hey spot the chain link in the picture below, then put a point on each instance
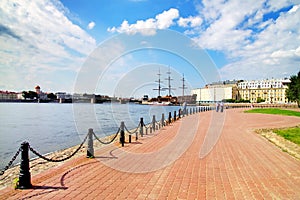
(157, 122)
(59, 160)
(10, 162)
(136, 130)
(109, 141)
(149, 125)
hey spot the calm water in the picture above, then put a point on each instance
(49, 127)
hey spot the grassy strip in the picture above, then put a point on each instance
(291, 134)
(274, 111)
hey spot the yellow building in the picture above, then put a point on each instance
(271, 91)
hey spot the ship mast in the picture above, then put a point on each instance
(159, 87)
(183, 86)
(169, 82)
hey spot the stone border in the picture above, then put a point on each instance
(284, 144)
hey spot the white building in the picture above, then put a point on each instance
(216, 92)
(63, 95)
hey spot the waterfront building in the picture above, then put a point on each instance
(268, 91)
(41, 95)
(255, 91)
(38, 89)
(217, 91)
(63, 95)
(8, 95)
(190, 99)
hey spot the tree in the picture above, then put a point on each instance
(52, 96)
(260, 100)
(293, 91)
(29, 95)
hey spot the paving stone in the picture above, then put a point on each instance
(231, 163)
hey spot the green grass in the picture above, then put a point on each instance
(291, 134)
(274, 111)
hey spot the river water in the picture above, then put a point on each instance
(50, 127)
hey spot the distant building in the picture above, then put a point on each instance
(37, 89)
(217, 91)
(269, 91)
(41, 95)
(190, 99)
(7, 95)
(63, 95)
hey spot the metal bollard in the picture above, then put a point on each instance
(122, 134)
(153, 122)
(179, 113)
(129, 140)
(170, 117)
(90, 148)
(141, 128)
(24, 176)
(174, 115)
(162, 119)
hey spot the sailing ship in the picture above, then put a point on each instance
(167, 100)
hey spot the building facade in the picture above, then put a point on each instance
(268, 91)
(8, 95)
(216, 92)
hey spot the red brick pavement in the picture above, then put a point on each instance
(178, 162)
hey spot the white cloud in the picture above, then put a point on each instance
(165, 19)
(162, 21)
(91, 25)
(190, 21)
(253, 36)
(256, 47)
(45, 42)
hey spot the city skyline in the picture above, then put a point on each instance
(47, 43)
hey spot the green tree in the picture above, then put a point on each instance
(29, 95)
(52, 96)
(293, 91)
(260, 100)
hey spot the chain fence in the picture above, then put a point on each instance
(10, 162)
(135, 131)
(99, 140)
(147, 127)
(58, 160)
(132, 132)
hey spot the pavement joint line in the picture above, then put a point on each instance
(240, 166)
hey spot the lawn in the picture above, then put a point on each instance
(291, 134)
(274, 111)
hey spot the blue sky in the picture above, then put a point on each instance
(48, 43)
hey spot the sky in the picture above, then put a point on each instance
(117, 47)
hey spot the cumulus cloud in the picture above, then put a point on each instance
(39, 40)
(161, 21)
(258, 37)
(190, 21)
(91, 25)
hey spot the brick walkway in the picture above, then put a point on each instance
(190, 159)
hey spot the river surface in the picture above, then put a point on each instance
(49, 127)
